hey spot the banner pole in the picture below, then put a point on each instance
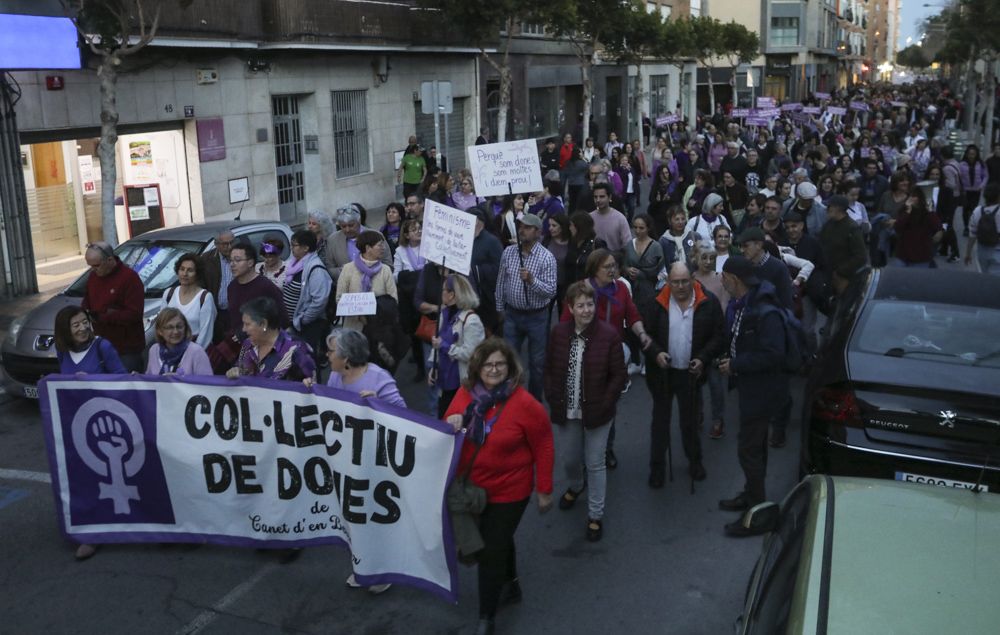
(517, 235)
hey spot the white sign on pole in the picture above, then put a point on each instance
(356, 304)
(432, 101)
(504, 168)
(448, 236)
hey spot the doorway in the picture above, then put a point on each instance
(288, 157)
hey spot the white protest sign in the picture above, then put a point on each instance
(836, 110)
(504, 168)
(356, 304)
(448, 235)
(253, 463)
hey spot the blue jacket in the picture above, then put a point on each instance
(758, 362)
(316, 287)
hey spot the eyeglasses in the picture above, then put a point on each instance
(494, 365)
(609, 267)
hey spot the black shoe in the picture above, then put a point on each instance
(511, 593)
(485, 626)
(697, 471)
(778, 438)
(736, 529)
(657, 478)
(610, 460)
(595, 529)
(568, 499)
(739, 503)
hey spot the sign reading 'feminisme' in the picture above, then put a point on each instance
(256, 463)
(505, 168)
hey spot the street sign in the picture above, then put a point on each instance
(441, 103)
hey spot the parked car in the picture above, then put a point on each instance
(906, 387)
(858, 555)
(28, 352)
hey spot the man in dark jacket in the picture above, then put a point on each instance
(687, 327)
(765, 266)
(218, 275)
(548, 159)
(484, 267)
(756, 366)
(843, 243)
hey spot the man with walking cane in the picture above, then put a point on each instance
(688, 330)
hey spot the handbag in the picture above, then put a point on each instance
(427, 329)
(466, 501)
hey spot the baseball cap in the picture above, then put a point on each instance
(531, 221)
(806, 190)
(742, 268)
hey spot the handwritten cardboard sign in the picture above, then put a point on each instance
(448, 236)
(356, 304)
(502, 168)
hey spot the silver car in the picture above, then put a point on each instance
(28, 351)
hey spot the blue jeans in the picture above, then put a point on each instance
(533, 325)
(989, 260)
(582, 452)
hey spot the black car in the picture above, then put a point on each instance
(907, 384)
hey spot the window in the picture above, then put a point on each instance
(658, 104)
(695, 8)
(544, 108)
(350, 132)
(784, 31)
(532, 28)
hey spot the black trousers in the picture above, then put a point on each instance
(752, 453)
(497, 560)
(666, 384)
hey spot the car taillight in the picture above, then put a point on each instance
(837, 405)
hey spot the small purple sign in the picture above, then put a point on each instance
(836, 110)
(211, 139)
(666, 120)
(768, 112)
(757, 120)
(825, 96)
(793, 106)
(740, 112)
(811, 110)
(765, 102)
(859, 105)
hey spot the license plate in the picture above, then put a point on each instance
(31, 392)
(934, 480)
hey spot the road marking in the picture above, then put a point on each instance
(25, 475)
(208, 616)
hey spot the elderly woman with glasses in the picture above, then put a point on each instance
(321, 225)
(174, 353)
(268, 351)
(367, 271)
(306, 289)
(350, 370)
(342, 247)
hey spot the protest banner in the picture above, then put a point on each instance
(765, 102)
(825, 96)
(505, 168)
(767, 112)
(859, 105)
(836, 110)
(811, 110)
(793, 106)
(356, 304)
(666, 120)
(740, 112)
(253, 463)
(757, 120)
(448, 236)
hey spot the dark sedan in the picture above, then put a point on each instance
(907, 386)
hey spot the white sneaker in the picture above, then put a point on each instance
(633, 369)
(352, 582)
(642, 371)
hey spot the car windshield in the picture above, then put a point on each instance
(153, 261)
(947, 333)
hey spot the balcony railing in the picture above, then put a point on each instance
(223, 19)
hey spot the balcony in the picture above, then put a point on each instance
(219, 19)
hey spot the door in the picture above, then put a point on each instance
(288, 157)
(613, 106)
(456, 133)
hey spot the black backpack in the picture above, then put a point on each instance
(986, 230)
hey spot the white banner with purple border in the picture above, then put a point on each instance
(253, 463)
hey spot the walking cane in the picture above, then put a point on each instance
(437, 332)
(695, 411)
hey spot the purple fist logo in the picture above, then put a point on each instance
(121, 449)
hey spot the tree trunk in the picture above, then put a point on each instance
(504, 104)
(711, 92)
(969, 101)
(990, 102)
(586, 62)
(641, 103)
(108, 75)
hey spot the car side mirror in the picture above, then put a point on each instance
(762, 517)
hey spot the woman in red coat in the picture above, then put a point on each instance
(515, 454)
(584, 377)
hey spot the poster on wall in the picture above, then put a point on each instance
(86, 162)
(139, 212)
(140, 156)
(211, 139)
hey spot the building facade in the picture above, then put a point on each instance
(801, 47)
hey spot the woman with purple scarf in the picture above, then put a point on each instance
(461, 332)
(366, 273)
(268, 351)
(174, 353)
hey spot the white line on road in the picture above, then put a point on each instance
(25, 475)
(209, 615)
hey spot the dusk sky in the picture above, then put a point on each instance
(912, 11)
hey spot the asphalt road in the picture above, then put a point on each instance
(664, 565)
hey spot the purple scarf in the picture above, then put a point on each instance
(607, 292)
(367, 273)
(474, 420)
(170, 358)
(295, 266)
(415, 258)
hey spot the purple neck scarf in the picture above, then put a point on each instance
(415, 258)
(607, 291)
(367, 273)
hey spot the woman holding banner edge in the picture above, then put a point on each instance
(508, 445)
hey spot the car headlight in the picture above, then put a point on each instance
(15, 329)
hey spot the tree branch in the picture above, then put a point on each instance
(145, 36)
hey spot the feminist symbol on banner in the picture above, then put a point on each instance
(118, 434)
